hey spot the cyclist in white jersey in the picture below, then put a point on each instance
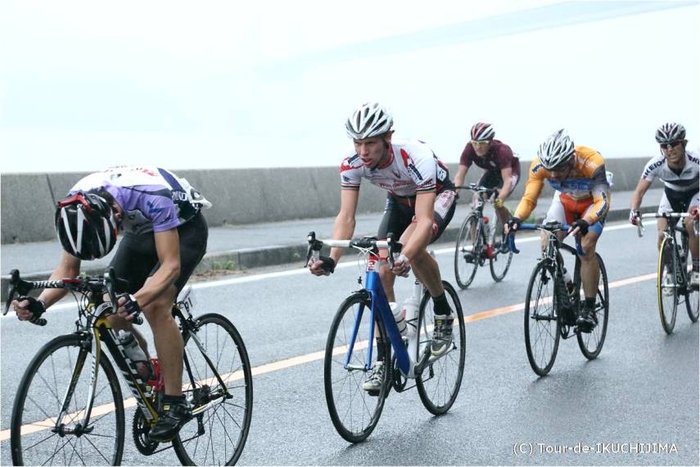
(420, 204)
(164, 238)
(678, 168)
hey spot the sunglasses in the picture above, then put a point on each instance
(480, 143)
(672, 144)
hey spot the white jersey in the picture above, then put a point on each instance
(412, 168)
(683, 182)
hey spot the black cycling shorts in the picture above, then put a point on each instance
(398, 215)
(136, 258)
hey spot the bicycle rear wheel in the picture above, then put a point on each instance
(62, 367)
(591, 343)
(222, 412)
(354, 411)
(439, 383)
(667, 285)
(542, 322)
(468, 251)
(499, 263)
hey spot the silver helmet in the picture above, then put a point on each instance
(369, 120)
(556, 150)
(482, 132)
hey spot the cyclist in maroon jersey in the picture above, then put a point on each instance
(501, 167)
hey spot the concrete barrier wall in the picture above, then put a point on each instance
(239, 196)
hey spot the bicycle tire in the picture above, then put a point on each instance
(692, 298)
(542, 315)
(499, 263)
(353, 411)
(438, 384)
(591, 343)
(34, 439)
(666, 292)
(464, 270)
(217, 434)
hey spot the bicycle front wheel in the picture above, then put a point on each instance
(499, 263)
(220, 390)
(542, 322)
(439, 383)
(354, 411)
(48, 416)
(591, 343)
(467, 251)
(692, 298)
(667, 285)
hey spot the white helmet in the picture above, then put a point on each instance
(369, 120)
(556, 150)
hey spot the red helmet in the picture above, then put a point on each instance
(86, 226)
(483, 132)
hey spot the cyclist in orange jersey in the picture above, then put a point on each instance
(581, 199)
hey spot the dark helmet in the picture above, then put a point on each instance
(670, 132)
(86, 226)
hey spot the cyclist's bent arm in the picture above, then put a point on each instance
(461, 175)
(527, 204)
(419, 240)
(68, 267)
(639, 193)
(506, 175)
(168, 250)
(344, 226)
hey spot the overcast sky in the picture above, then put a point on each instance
(184, 85)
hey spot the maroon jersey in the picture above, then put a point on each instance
(497, 158)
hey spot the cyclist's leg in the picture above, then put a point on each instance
(193, 237)
(692, 236)
(396, 218)
(555, 213)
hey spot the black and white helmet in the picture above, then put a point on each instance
(86, 226)
(556, 150)
(482, 132)
(369, 120)
(670, 132)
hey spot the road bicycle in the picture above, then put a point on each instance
(352, 351)
(552, 307)
(674, 269)
(69, 408)
(477, 242)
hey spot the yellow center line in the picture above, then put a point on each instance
(310, 357)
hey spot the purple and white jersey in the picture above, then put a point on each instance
(153, 199)
(683, 182)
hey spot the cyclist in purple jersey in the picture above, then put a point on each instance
(501, 167)
(164, 238)
(679, 169)
(420, 204)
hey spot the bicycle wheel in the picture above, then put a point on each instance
(467, 251)
(62, 367)
(354, 411)
(591, 343)
(499, 263)
(666, 285)
(692, 298)
(438, 385)
(542, 323)
(218, 431)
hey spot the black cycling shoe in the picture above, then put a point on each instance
(586, 321)
(170, 420)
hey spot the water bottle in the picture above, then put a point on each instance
(569, 282)
(410, 314)
(135, 353)
(399, 318)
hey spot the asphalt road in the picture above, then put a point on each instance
(637, 404)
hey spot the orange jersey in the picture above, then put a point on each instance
(586, 184)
